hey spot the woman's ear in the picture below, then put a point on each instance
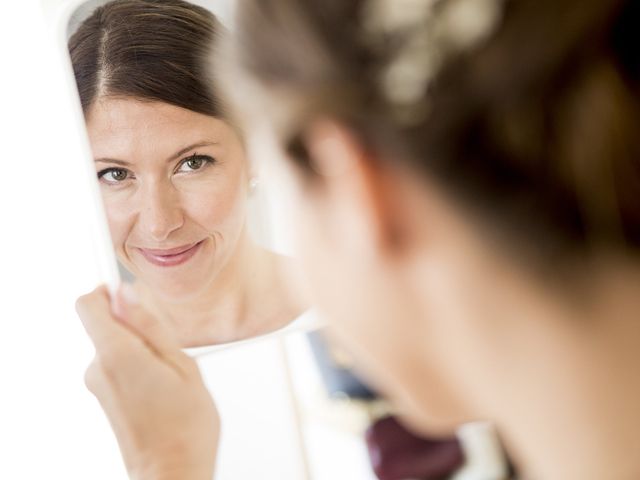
(353, 187)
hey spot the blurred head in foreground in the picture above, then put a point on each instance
(466, 175)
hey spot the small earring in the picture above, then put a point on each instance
(253, 184)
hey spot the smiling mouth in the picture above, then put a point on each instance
(170, 257)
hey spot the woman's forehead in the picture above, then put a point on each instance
(127, 127)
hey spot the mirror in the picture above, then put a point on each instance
(190, 218)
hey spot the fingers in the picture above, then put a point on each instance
(98, 383)
(148, 388)
(137, 333)
(106, 334)
(92, 378)
(156, 334)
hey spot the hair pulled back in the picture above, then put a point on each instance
(156, 50)
(533, 129)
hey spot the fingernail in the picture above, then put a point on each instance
(129, 294)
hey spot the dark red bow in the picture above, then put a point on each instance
(397, 454)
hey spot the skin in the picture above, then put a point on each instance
(183, 444)
(451, 329)
(172, 177)
(446, 345)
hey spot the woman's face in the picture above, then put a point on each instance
(174, 184)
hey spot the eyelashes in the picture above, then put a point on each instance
(115, 176)
(194, 163)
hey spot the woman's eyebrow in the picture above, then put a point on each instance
(190, 147)
(172, 157)
(112, 160)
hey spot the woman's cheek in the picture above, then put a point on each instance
(120, 218)
(215, 204)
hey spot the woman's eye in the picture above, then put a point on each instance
(113, 175)
(195, 162)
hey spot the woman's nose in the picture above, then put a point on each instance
(160, 212)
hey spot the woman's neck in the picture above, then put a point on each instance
(249, 297)
(557, 372)
(583, 428)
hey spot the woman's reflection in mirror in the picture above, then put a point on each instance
(173, 172)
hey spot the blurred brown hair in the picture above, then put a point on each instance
(533, 130)
(155, 50)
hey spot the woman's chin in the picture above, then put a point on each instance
(431, 417)
(432, 425)
(173, 290)
(175, 284)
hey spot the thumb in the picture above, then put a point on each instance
(153, 332)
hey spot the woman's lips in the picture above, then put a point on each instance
(172, 256)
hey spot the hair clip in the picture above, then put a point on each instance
(431, 31)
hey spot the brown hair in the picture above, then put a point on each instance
(155, 50)
(534, 129)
